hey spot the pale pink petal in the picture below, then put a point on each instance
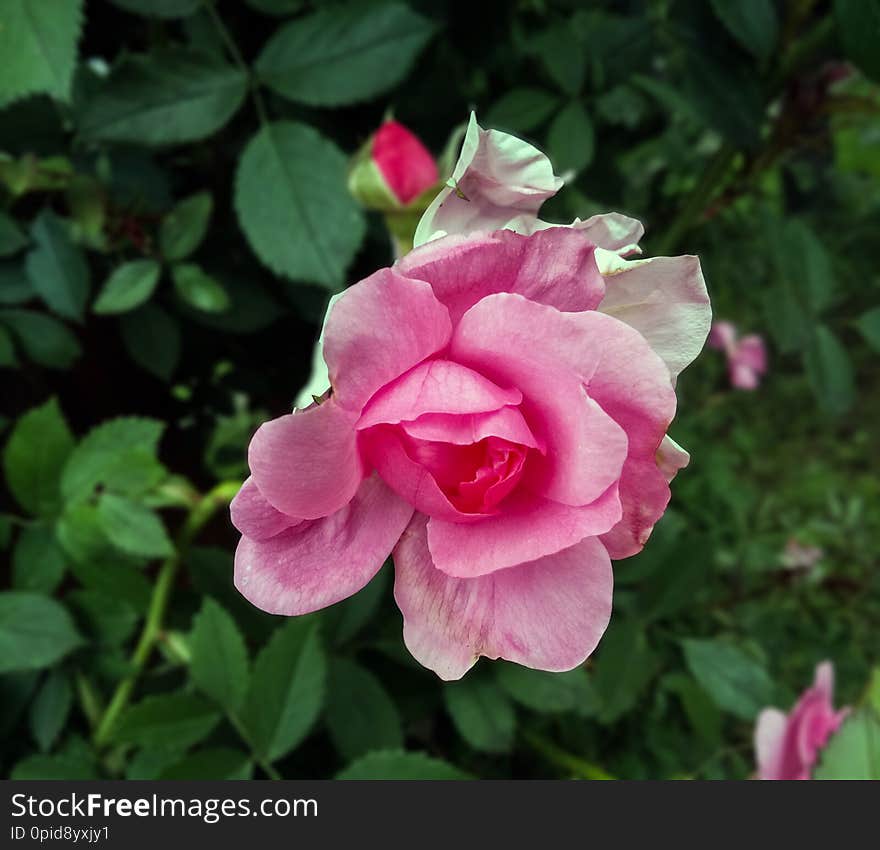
(741, 376)
(254, 517)
(750, 351)
(555, 266)
(671, 457)
(527, 528)
(548, 614)
(497, 179)
(770, 731)
(823, 680)
(318, 563)
(379, 329)
(384, 448)
(722, 335)
(612, 231)
(437, 386)
(306, 464)
(664, 298)
(506, 423)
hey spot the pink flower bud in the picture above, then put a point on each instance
(404, 162)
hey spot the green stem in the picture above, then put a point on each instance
(264, 765)
(198, 516)
(238, 59)
(571, 764)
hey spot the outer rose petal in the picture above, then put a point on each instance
(671, 457)
(254, 517)
(437, 386)
(664, 298)
(527, 528)
(306, 464)
(380, 328)
(318, 563)
(498, 178)
(548, 614)
(555, 266)
(609, 231)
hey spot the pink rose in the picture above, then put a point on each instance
(788, 745)
(498, 419)
(746, 357)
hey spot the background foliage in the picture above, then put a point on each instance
(174, 217)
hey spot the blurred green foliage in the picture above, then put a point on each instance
(173, 218)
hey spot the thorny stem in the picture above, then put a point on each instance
(198, 516)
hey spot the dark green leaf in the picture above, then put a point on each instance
(482, 713)
(858, 24)
(276, 7)
(564, 57)
(360, 715)
(57, 268)
(197, 289)
(44, 339)
(400, 765)
(219, 665)
(75, 761)
(129, 286)
(287, 689)
(15, 287)
(183, 229)
(624, 668)
(547, 692)
(342, 621)
(830, 371)
(170, 721)
(50, 709)
(290, 182)
(38, 561)
(35, 631)
(734, 680)
(343, 54)
(38, 46)
(752, 23)
(570, 139)
(869, 324)
(35, 456)
(522, 110)
(132, 527)
(219, 763)
(167, 97)
(152, 339)
(12, 239)
(159, 8)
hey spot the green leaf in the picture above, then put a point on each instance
(217, 763)
(169, 721)
(360, 715)
(129, 286)
(219, 665)
(38, 46)
(287, 689)
(38, 562)
(343, 54)
(342, 621)
(35, 631)
(197, 289)
(734, 680)
(830, 371)
(624, 668)
(869, 325)
(701, 711)
(15, 288)
(675, 585)
(802, 259)
(167, 97)
(34, 457)
(7, 349)
(75, 761)
(550, 693)
(400, 765)
(132, 527)
(522, 110)
(570, 139)
(289, 187)
(482, 713)
(12, 239)
(151, 763)
(276, 7)
(50, 709)
(564, 57)
(119, 455)
(109, 618)
(159, 8)
(858, 25)
(152, 339)
(44, 339)
(182, 230)
(853, 752)
(57, 268)
(752, 23)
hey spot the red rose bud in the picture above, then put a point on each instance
(392, 170)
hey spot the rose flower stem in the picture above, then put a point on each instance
(198, 517)
(572, 764)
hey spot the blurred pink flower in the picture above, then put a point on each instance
(799, 556)
(746, 357)
(498, 419)
(787, 746)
